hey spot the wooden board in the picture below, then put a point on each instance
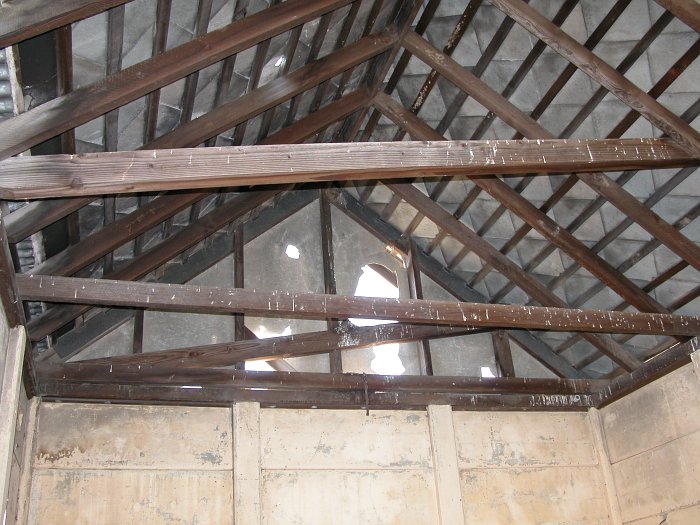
(208, 299)
(44, 176)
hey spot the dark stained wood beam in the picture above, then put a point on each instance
(230, 212)
(36, 215)
(666, 362)
(163, 374)
(603, 73)
(111, 392)
(453, 284)
(344, 337)
(322, 118)
(687, 11)
(99, 325)
(20, 20)
(515, 202)
(328, 262)
(116, 233)
(137, 171)
(160, 40)
(415, 287)
(81, 105)
(528, 283)
(524, 124)
(206, 299)
(275, 92)
(504, 357)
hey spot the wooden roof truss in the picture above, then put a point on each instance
(222, 147)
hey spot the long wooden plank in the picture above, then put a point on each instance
(688, 11)
(116, 233)
(174, 375)
(275, 92)
(599, 182)
(601, 72)
(352, 399)
(24, 19)
(37, 215)
(80, 106)
(205, 299)
(137, 171)
(148, 261)
(343, 338)
(532, 215)
(100, 324)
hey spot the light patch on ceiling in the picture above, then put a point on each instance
(280, 61)
(386, 360)
(292, 251)
(373, 284)
(486, 372)
(263, 333)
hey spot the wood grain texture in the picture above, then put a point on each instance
(136, 171)
(688, 11)
(344, 337)
(603, 73)
(307, 381)
(22, 19)
(207, 299)
(77, 107)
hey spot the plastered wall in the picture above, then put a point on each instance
(109, 464)
(653, 441)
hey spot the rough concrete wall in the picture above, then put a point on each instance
(653, 441)
(529, 468)
(108, 464)
(121, 464)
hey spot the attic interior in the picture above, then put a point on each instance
(381, 205)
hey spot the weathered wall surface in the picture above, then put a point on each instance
(101, 464)
(653, 441)
(520, 468)
(15, 420)
(108, 464)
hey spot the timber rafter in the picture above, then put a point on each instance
(262, 91)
